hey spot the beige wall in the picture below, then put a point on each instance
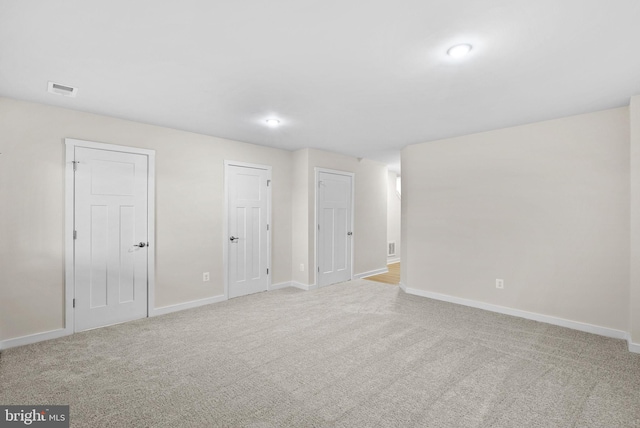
(393, 215)
(634, 116)
(300, 219)
(189, 209)
(543, 206)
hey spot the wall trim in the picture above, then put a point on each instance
(293, 284)
(371, 273)
(280, 285)
(301, 286)
(634, 347)
(575, 325)
(33, 338)
(403, 287)
(187, 305)
(393, 260)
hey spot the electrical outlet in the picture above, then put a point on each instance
(500, 283)
(301, 267)
(205, 276)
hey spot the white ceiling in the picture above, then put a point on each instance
(360, 77)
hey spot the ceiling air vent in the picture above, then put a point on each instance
(58, 89)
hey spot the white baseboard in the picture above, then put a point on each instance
(371, 273)
(403, 287)
(575, 325)
(393, 260)
(302, 286)
(33, 338)
(187, 305)
(280, 285)
(293, 284)
(634, 347)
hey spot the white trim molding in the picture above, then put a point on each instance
(634, 347)
(280, 286)
(188, 305)
(33, 338)
(305, 287)
(293, 284)
(302, 286)
(575, 325)
(371, 273)
(393, 261)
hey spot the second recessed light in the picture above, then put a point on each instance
(272, 122)
(458, 51)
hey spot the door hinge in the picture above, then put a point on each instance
(75, 165)
(267, 271)
(74, 303)
(267, 227)
(318, 227)
(268, 183)
(75, 234)
(318, 269)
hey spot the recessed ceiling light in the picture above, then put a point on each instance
(458, 51)
(272, 122)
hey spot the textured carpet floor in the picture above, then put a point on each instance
(360, 354)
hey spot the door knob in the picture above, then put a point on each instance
(233, 238)
(141, 245)
(349, 233)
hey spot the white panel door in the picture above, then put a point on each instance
(248, 246)
(334, 228)
(110, 251)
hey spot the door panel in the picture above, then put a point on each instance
(98, 255)
(247, 193)
(334, 227)
(127, 265)
(110, 219)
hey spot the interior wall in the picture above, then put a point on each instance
(189, 209)
(634, 308)
(300, 217)
(370, 209)
(545, 207)
(394, 212)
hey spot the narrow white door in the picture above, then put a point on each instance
(334, 227)
(110, 251)
(247, 243)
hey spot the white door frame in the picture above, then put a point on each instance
(69, 282)
(316, 216)
(225, 221)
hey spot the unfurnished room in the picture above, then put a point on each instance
(320, 214)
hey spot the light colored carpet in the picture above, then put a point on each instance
(359, 354)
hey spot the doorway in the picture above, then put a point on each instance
(248, 216)
(334, 226)
(109, 234)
